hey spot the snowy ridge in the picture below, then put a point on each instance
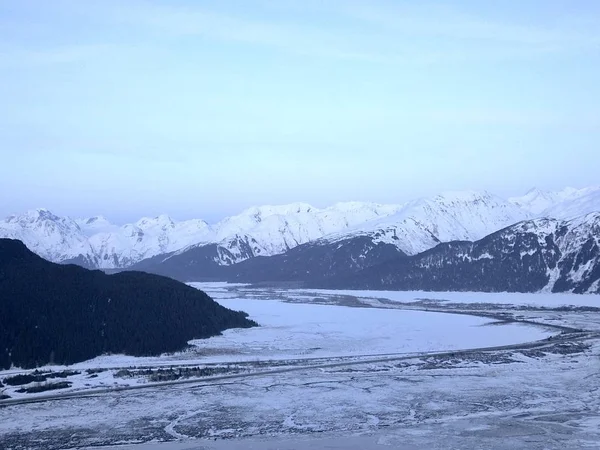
(265, 230)
(538, 255)
(584, 201)
(569, 250)
(270, 230)
(537, 201)
(421, 224)
(565, 204)
(50, 236)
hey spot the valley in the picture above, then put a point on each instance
(366, 370)
(298, 225)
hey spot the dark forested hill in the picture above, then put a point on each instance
(198, 263)
(306, 262)
(51, 313)
(316, 260)
(541, 254)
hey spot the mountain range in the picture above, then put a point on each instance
(540, 255)
(298, 241)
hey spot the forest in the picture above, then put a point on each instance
(62, 314)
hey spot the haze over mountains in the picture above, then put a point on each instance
(311, 243)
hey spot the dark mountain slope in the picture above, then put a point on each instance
(65, 314)
(312, 261)
(315, 261)
(199, 263)
(542, 254)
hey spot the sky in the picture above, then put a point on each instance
(200, 109)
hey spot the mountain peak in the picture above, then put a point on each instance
(34, 215)
(162, 220)
(282, 210)
(534, 191)
(94, 220)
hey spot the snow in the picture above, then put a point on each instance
(564, 204)
(421, 224)
(310, 330)
(290, 330)
(269, 229)
(272, 229)
(506, 399)
(50, 236)
(550, 300)
(97, 224)
(514, 402)
(579, 203)
(537, 200)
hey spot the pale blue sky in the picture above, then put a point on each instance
(202, 108)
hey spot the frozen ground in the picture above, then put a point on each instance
(537, 396)
(502, 298)
(297, 330)
(225, 290)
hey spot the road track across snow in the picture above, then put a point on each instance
(563, 337)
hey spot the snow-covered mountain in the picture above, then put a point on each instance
(565, 204)
(537, 201)
(583, 201)
(270, 230)
(536, 255)
(93, 225)
(145, 238)
(424, 223)
(52, 237)
(408, 229)
(265, 230)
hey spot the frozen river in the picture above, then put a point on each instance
(537, 396)
(300, 330)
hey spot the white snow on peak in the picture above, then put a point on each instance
(96, 224)
(563, 204)
(282, 210)
(423, 223)
(277, 229)
(33, 216)
(50, 236)
(162, 221)
(413, 227)
(578, 203)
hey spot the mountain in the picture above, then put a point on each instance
(202, 248)
(535, 255)
(199, 262)
(52, 313)
(537, 201)
(267, 230)
(424, 223)
(315, 260)
(583, 201)
(50, 236)
(145, 238)
(93, 225)
(406, 230)
(312, 260)
(565, 204)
